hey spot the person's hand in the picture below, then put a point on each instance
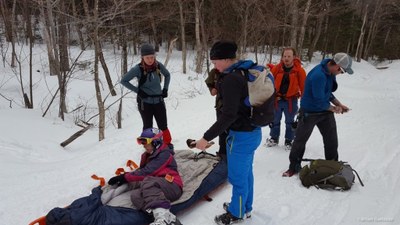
(335, 109)
(164, 93)
(214, 92)
(142, 94)
(201, 144)
(345, 109)
(118, 180)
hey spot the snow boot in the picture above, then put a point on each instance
(226, 205)
(164, 217)
(291, 172)
(271, 142)
(226, 219)
(288, 145)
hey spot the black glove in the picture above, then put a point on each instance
(118, 180)
(142, 94)
(164, 93)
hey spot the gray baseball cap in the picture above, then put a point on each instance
(344, 61)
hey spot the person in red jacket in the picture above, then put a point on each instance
(158, 180)
(289, 85)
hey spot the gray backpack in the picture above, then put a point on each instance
(328, 174)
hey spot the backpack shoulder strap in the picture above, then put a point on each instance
(359, 179)
(143, 76)
(158, 71)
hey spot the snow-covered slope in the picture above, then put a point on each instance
(37, 174)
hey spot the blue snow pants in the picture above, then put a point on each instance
(240, 150)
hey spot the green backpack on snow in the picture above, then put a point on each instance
(328, 174)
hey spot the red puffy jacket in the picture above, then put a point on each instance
(297, 77)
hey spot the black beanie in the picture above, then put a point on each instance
(223, 50)
(147, 49)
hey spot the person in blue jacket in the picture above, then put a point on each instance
(316, 109)
(150, 93)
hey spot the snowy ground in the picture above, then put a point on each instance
(37, 174)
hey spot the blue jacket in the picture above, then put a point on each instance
(319, 85)
(152, 86)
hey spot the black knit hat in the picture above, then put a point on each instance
(147, 49)
(223, 50)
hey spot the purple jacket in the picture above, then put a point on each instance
(160, 163)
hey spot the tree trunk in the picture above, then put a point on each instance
(243, 45)
(199, 52)
(124, 58)
(124, 70)
(204, 39)
(49, 36)
(311, 50)
(373, 28)
(361, 37)
(183, 36)
(171, 46)
(119, 114)
(97, 53)
(88, 20)
(154, 28)
(105, 68)
(303, 28)
(63, 94)
(29, 34)
(76, 135)
(295, 18)
(326, 33)
(78, 26)
(9, 28)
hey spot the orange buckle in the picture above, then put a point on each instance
(131, 164)
(169, 178)
(119, 171)
(101, 179)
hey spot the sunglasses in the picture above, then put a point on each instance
(144, 140)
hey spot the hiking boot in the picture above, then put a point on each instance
(226, 205)
(272, 142)
(288, 144)
(164, 217)
(226, 219)
(291, 172)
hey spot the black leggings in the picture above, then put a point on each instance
(147, 111)
(326, 124)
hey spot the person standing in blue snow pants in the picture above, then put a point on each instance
(241, 147)
(243, 138)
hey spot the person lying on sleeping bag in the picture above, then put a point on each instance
(158, 180)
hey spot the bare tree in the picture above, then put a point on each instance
(373, 28)
(361, 37)
(294, 26)
(78, 26)
(97, 50)
(303, 27)
(199, 50)
(183, 35)
(8, 19)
